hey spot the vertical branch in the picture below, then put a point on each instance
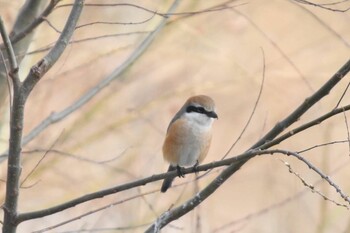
(21, 92)
(16, 126)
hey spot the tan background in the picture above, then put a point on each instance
(218, 54)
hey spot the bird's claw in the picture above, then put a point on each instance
(179, 171)
(194, 168)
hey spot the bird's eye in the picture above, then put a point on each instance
(191, 109)
(200, 109)
(195, 109)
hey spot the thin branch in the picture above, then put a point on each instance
(342, 96)
(310, 186)
(315, 169)
(321, 145)
(116, 23)
(40, 160)
(49, 46)
(165, 15)
(11, 54)
(78, 157)
(323, 6)
(251, 114)
(52, 26)
(95, 211)
(323, 23)
(347, 130)
(8, 80)
(255, 105)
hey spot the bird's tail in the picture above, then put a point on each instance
(167, 181)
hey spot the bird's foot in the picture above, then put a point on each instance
(179, 171)
(194, 168)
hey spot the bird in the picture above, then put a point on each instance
(188, 136)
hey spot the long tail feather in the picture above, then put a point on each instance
(167, 181)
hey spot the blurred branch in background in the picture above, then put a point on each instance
(333, 6)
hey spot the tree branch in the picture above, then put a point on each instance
(21, 92)
(10, 54)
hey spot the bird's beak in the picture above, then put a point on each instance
(213, 114)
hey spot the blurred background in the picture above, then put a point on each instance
(117, 136)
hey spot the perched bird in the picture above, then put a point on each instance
(189, 135)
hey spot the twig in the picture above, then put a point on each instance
(116, 23)
(11, 54)
(347, 130)
(310, 186)
(49, 46)
(51, 25)
(40, 160)
(323, 6)
(342, 96)
(95, 211)
(250, 116)
(275, 205)
(321, 145)
(255, 105)
(8, 80)
(315, 169)
(323, 23)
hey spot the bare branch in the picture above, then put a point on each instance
(11, 54)
(321, 145)
(40, 160)
(324, 6)
(310, 186)
(95, 211)
(118, 23)
(255, 105)
(342, 96)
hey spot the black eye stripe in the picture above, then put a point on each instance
(192, 108)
